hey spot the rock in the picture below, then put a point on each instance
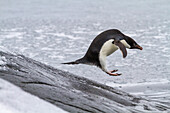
(70, 92)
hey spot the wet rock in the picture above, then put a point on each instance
(68, 91)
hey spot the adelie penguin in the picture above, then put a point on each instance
(105, 44)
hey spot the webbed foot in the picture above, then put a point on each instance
(113, 74)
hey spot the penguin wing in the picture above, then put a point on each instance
(121, 47)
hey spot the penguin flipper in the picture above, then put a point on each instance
(121, 47)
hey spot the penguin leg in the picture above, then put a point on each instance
(104, 68)
(114, 71)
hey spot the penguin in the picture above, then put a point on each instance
(104, 45)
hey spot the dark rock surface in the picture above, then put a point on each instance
(68, 91)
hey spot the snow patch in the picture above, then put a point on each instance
(39, 30)
(163, 81)
(2, 62)
(5, 50)
(15, 100)
(7, 109)
(79, 32)
(63, 35)
(131, 34)
(14, 35)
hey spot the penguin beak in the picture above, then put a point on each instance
(139, 47)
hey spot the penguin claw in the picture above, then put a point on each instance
(114, 71)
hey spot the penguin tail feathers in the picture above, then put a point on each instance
(79, 61)
(74, 62)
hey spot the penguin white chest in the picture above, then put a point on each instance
(108, 48)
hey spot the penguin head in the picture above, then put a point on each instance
(133, 44)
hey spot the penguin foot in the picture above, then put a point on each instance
(114, 71)
(113, 74)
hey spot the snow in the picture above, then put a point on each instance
(161, 81)
(63, 35)
(2, 60)
(14, 35)
(15, 100)
(4, 49)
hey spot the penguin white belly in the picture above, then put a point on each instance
(108, 48)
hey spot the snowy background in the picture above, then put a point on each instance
(57, 31)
